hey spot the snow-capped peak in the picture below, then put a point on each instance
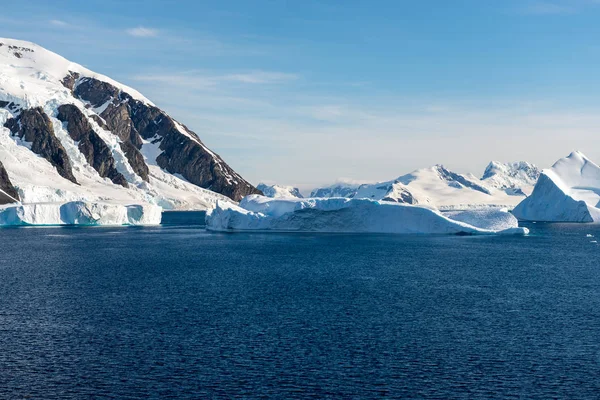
(31, 75)
(341, 188)
(514, 177)
(279, 191)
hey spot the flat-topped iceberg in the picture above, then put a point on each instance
(79, 213)
(352, 215)
(567, 192)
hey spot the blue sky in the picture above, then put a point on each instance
(306, 92)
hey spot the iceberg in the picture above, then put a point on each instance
(257, 213)
(80, 213)
(495, 219)
(567, 192)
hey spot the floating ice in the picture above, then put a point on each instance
(352, 215)
(79, 213)
(567, 192)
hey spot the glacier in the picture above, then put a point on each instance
(259, 213)
(80, 213)
(569, 191)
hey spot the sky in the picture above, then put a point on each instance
(306, 93)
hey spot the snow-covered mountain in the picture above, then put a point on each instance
(70, 134)
(437, 187)
(279, 191)
(503, 185)
(567, 192)
(516, 178)
(338, 189)
(434, 185)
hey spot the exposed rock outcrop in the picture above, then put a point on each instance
(69, 80)
(116, 118)
(34, 126)
(95, 151)
(182, 151)
(8, 193)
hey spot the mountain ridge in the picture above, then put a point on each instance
(95, 132)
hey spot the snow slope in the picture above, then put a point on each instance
(30, 76)
(567, 192)
(438, 187)
(504, 185)
(517, 178)
(277, 191)
(348, 215)
(338, 189)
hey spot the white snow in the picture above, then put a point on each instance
(79, 213)
(347, 215)
(342, 188)
(516, 178)
(33, 77)
(438, 187)
(567, 192)
(491, 218)
(278, 191)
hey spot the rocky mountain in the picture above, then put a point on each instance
(516, 178)
(8, 193)
(278, 191)
(67, 133)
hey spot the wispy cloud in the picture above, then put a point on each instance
(141, 31)
(292, 134)
(260, 77)
(558, 7)
(200, 80)
(59, 23)
(546, 8)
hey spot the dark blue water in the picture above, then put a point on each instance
(183, 218)
(176, 312)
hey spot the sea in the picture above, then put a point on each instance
(175, 311)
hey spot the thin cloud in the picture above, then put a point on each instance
(198, 80)
(57, 22)
(558, 7)
(261, 77)
(140, 31)
(545, 8)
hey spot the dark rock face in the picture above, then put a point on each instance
(34, 126)
(182, 152)
(96, 152)
(69, 80)
(115, 118)
(95, 91)
(7, 187)
(10, 105)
